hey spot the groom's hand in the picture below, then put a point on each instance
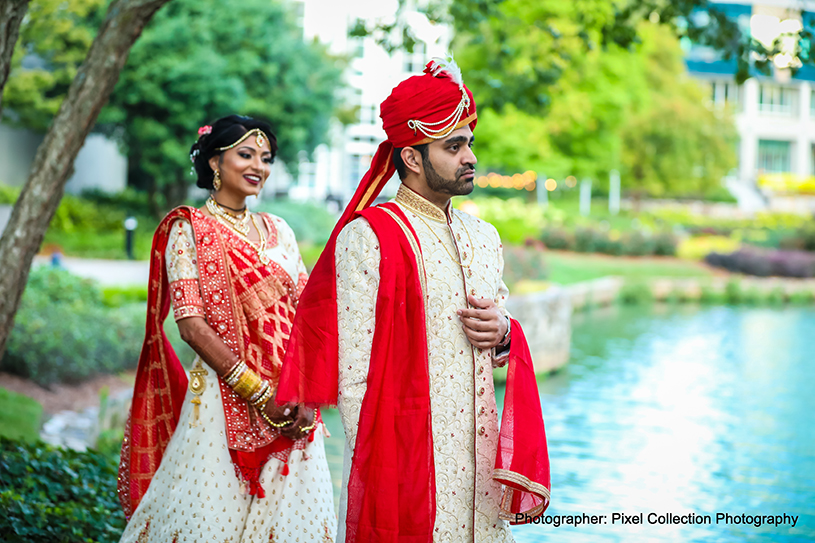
(485, 326)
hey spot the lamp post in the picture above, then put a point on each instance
(130, 228)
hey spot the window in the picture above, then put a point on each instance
(415, 61)
(726, 93)
(774, 156)
(367, 115)
(775, 99)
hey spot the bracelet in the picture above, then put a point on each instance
(259, 392)
(275, 424)
(505, 340)
(264, 397)
(247, 384)
(233, 375)
(309, 428)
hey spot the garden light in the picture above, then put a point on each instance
(518, 181)
(550, 184)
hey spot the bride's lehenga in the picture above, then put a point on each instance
(196, 494)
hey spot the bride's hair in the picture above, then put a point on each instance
(223, 132)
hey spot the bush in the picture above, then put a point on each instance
(8, 195)
(557, 238)
(697, 248)
(515, 220)
(764, 263)
(57, 495)
(311, 223)
(523, 264)
(64, 333)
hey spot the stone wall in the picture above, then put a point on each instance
(546, 318)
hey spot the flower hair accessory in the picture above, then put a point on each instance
(204, 130)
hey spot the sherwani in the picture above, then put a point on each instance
(462, 255)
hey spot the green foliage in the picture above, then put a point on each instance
(57, 495)
(515, 220)
(633, 111)
(63, 332)
(20, 416)
(310, 222)
(590, 239)
(199, 60)
(524, 265)
(8, 195)
(118, 296)
(674, 145)
(635, 293)
(54, 38)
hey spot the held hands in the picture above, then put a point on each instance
(485, 326)
(297, 421)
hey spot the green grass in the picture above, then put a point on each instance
(20, 416)
(566, 268)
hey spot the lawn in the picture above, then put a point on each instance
(567, 267)
(20, 416)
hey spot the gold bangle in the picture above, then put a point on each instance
(234, 374)
(264, 398)
(274, 424)
(248, 384)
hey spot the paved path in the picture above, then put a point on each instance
(106, 272)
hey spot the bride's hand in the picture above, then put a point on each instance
(303, 423)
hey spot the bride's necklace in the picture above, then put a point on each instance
(239, 222)
(215, 209)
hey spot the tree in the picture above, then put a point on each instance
(203, 59)
(11, 15)
(54, 40)
(675, 144)
(55, 157)
(633, 111)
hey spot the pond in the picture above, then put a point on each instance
(679, 411)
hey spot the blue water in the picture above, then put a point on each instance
(700, 411)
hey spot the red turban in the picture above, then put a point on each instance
(419, 110)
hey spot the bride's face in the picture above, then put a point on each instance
(244, 168)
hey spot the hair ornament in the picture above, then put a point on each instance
(204, 130)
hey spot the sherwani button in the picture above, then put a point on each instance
(480, 370)
(481, 391)
(482, 430)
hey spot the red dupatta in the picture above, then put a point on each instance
(251, 307)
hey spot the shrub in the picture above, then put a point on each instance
(63, 332)
(763, 263)
(636, 293)
(697, 248)
(310, 223)
(523, 264)
(20, 416)
(57, 495)
(8, 195)
(637, 244)
(557, 238)
(514, 219)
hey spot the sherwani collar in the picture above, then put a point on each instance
(418, 204)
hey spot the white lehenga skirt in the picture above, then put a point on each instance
(195, 495)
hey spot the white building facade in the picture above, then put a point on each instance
(775, 116)
(372, 73)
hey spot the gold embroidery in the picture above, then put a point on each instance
(414, 245)
(419, 205)
(502, 476)
(144, 535)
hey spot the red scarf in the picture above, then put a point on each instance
(391, 488)
(251, 307)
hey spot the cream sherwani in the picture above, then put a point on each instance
(462, 255)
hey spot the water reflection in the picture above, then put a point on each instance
(679, 411)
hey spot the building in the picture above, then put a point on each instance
(775, 116)
(338, 166)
